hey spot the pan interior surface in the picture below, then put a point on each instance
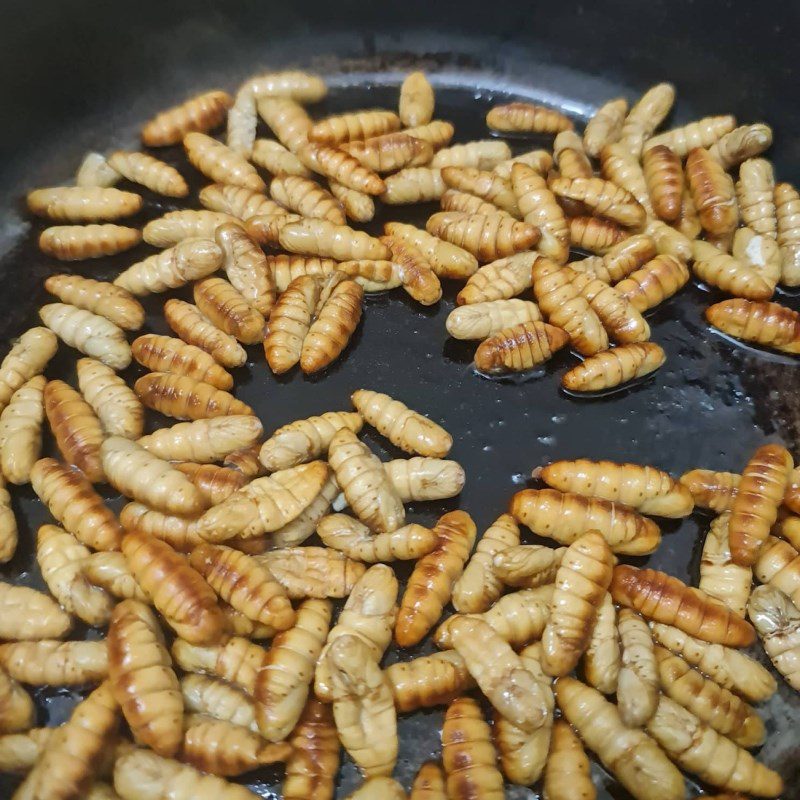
(710, 405)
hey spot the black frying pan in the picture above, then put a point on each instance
(79, 76)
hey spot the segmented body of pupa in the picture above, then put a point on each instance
(27, 358)
(277, 159)
(704, 132)
(425, 478)
(755, 507)
(337, 165)
(365, 483)
(151, 173)
(527, 118)
(358, 206)
(112, 302)
(567, 774)
(663, 173)
(618, 165)
(565, 307)
(653, 283)
(488, 186)
(203, 112)
(768, 324)
(237, 661)
(142, 678)
(114, 402)
(481, 320)
(730, 274)
(528, 565)
(391, 152)
(446, 260)
(60, 555)
(168, 355)
(519, 347)
(755, 195)
(487, 238)
(478, 587)
(787, 208)
(777, 620)
(220, 163)
(430, 586)
(72, 501)
(605, 126)
(83, 203)
(237, 201)
(289, 323)
(322, 238)
(468, 754)
(564, 517)
(188, 223)
(713, 193)
(21, 431)
(355, 540)
(741, 143)
(405, 428)
(413, 185)
(307, 198)
(647, 489)
(226, 308)
(499, 280)
(110, 571)
(539, 160)
(417, 277)
(29, 614)
(602, 659)
(646, 115)
(79, 242)
(604, 198)
(93, 335)
(76, 428)
(187, 261)
(416, 100)
(190, 324)
(720, 577)
(779, 565)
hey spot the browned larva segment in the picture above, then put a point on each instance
(289, 323)
(663, 173)
(653, 283)
(200, 113)
(712, 191)
(604, 198)
(527, 118)
(733, 275)
(190, 324)
(312, 767)
(220, 163)
(418, 278)
(755, 507)
(151, 173)
(185, 600)
(166, 354)
(77, 429)
(306, 197)
(114, 303)
(82, 203)
(79, 242)
(354, 125)
(487, 185)
(769, 324)
(487, 238)
(416, 100)
(595, 235)
(335, 163)
(605, 127)
(430, 585)
(246, 267)
(215, 483)
(520, 347)
(614, 367)
(238, 201)
(223, 305)
(703, 132)
(663, 598)
(391, 152)
(183, 397)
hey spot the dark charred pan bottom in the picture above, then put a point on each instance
(711, 405)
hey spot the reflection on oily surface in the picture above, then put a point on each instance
(711, 404)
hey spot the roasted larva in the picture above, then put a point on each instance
(306, 197)
(369, 615)
(71, 757)
(289, 323)
(768, 324)
(655, 282)
(110, 571)
(428, 681)
(312, 766)
(564, 517)
(515, 692)
(184, 599)
(145, 477)
(27, 358)
(60, 557)
(638, 683)
(703, 132)
(479, 587)
(28, 614)
(777, 620)
(416, 276)
(486, 237)
(216, 483)
(322, 238)
(602, 197)
(305, 439)
(741, 143)
(21, 431)
(647, 489)
(613, 367)
(185, 397)
(337, 165)
(82, 203)
(416, 100)
(93, 335)
(237, 201)
(242, 121)
(601, 661)
(468, 755)
(391, 152)
(190, 324)
(166, 354)
(431, 583)
(730, 274)
(605, 126)
(527, 118)
(488, 186)
(358, 206)
(787, 207)
(425, 478)
(647, 114)
(238, 661)
(115, 404)
(712, 191)
(454, 200)
(17, 712)
(317, 572)
(142, 678)
(114, 303)
(142, 775)
(71, 499)
(356, 541)
(413, 185)
(631, 755)
(620, 261)
(282, 684)
(720, 577)
(79, 242)
(277, 159)
(220, 163)
(217, 699)
(501, 279)
(76, 428)
(188, 223)
(619, 166)
(9, 536)
(151, 173)
(94, 171)
(305, 523)
(483, 319)
(666, 599)
(265, 504)
(203, 112)
(365, 483)
(528, 565)
(580, 585)
(334, 324)
(519, 347)
(245, 584)
(446, 260)
(755, 507)
(710, 702)
(716, 760)
(226, 308)
(567, 774)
